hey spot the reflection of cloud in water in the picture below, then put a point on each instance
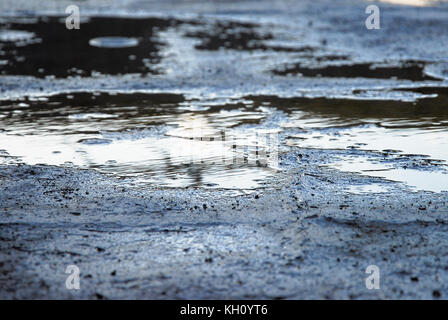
(435, 181)
(200, 149)
(412, 133)
(407, 141)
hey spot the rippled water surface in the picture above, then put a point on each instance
(146, 135)
(157, 138)
(193, 137)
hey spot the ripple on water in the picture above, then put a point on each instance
(146, 136)
(153, 137)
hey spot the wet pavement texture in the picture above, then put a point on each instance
(223, 150)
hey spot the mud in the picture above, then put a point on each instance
(310, 237)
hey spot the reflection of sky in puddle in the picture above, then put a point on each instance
(165, 140)
(433, 143)
(167, 161)
(367, 188)
(400, 131)
(194, 150)
(435, 181)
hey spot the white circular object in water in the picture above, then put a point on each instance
(113, 42)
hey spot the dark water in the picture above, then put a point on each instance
(52, 50)
(173, 140)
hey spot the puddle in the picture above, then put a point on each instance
(435, 181)
(169, 140)
(104, 45)
(411, 137)
(432, 143)
(148, 136)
